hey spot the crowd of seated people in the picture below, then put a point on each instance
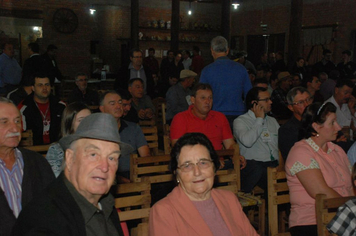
(307, 113)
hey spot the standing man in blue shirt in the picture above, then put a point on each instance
(229, 80)
(10, 70)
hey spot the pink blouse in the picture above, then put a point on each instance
(333, 164)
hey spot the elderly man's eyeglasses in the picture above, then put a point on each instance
(264, 99)
(202, 164)
(302, 102)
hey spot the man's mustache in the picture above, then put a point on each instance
(9, 135)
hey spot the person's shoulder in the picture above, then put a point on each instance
(131, 124)
(34, 158)
(244, 116)
(182, 114)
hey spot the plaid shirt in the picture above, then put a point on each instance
(344, 222)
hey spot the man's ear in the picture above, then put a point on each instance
(69, 158)
(290, 107)
(192, 99)
(33, 88)
(101, 108)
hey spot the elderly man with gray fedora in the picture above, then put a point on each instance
(178, 96)
(78, 202)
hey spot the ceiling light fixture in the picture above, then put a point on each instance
(235, 3)
(92, 10)
(190, 8)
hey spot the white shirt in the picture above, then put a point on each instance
(257, 137)
(187, 63)
(343, 114)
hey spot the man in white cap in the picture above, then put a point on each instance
(178, 96)
(77, 202)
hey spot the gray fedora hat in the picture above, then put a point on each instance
(99, 126)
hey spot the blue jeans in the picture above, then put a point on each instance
(255, 173)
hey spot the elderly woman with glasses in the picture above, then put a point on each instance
(194, 207)
(315, 165)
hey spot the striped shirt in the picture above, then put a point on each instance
(11, 181)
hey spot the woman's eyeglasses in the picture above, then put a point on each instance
(202, 164)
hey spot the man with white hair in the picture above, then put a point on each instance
(228, 79)
(78, 201)
(23, 173)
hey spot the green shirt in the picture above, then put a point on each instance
(97, 222)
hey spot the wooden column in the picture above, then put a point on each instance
(295, 46)
(134, 23)
(226, 19)
(175, 27)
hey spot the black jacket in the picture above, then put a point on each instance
(32, 118)
(48, 68)
(55, 212)
(31, 66)
(37, 174)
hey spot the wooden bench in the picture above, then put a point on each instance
(26, 138)
(278, 194)
(326, 209)
(151, 137)
(134, 199)
(155, 168)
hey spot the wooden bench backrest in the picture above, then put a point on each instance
(157, 102)
(278, 193)
(41, 149)
(326, 209)
(26, 138)
(151, 137)
(155, 168)
(229, 179)
(133, 199)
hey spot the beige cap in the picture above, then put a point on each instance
(187, 73)
(283, 75)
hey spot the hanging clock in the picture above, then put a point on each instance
(65, 20)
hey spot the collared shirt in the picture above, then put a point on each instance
(257, 137)
(132, 134)
(10, 71)
(343, 113)
(143, 103)
(215, 126)
(177, 100)
(97, 221)
(334, 166)
(11, 181)
(138, 74)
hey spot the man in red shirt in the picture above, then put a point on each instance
(42, 112)
(200, 118)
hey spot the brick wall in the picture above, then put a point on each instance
(112, 22)
(315, 13)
